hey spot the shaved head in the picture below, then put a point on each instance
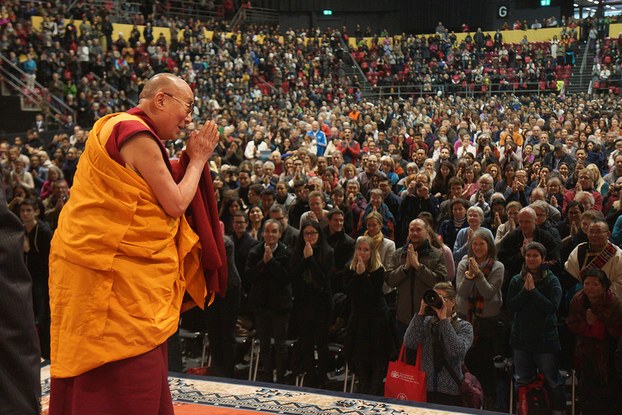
(161, 81)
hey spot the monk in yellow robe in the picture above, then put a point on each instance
(124, 259)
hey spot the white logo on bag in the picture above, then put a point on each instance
(402, 397)
(395, 374)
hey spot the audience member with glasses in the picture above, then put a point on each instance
(312, 262)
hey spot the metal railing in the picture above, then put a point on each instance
(472, 90)
(365, 86)
(34, 93)
(254, 15)
(106, 85)
(192, 9)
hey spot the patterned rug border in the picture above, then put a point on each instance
(281, 399)
(342, 403)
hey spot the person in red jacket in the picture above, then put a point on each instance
(350, 148)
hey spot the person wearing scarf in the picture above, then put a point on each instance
(449, 228)
(595, 318)
(597, 253)
(533, 298)
(478, 283)
(385, 246)
(475, 218)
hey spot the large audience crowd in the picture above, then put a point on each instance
(512, 204)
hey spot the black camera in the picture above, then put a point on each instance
(433, 300)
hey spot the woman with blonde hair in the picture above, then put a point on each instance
(374, 223)
(600, 185)
(370, 339)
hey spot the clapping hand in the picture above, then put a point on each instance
(497, 221)
(529, 282)
(554, 202)
(574, 229)
(267, 255)
(415, 259)
(473, 269)
(360, 266)
(312, 217)
(308, 250)
(511, 225)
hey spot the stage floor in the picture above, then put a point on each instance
(193, 395)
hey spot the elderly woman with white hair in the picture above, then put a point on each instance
(586, 199)
(475, 218)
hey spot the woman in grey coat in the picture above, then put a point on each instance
(444, 339)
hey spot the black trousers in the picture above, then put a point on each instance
(221, 317)
(272, 324)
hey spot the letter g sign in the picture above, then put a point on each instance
(502, 12)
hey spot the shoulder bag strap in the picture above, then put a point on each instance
(451, 371)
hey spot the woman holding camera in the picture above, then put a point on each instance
(444, 339)
(533, 297)
(478, 282)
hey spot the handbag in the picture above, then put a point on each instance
(406, 382)
(470, 388)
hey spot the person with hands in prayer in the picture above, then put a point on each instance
(270, 297)
(478, 282)
(417, 267)
(534, 294)
(115, 300)
(370, 339)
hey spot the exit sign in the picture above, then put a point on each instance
(327, 12)
(545, 2)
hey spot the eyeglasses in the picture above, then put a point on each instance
(189, 107)
(310, 233)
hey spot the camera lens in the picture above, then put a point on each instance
(431, 298)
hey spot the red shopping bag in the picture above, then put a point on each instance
(406, 382)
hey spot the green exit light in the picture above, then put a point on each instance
(327, 12)
(545, 2)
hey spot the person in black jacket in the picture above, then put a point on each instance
(312, 262)
(511, 247)
(221, 319)
(19, 347)
(370, 341)
(36, 253)
(342, 244)
(416, 199)
(243, 242)
(270, 298)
